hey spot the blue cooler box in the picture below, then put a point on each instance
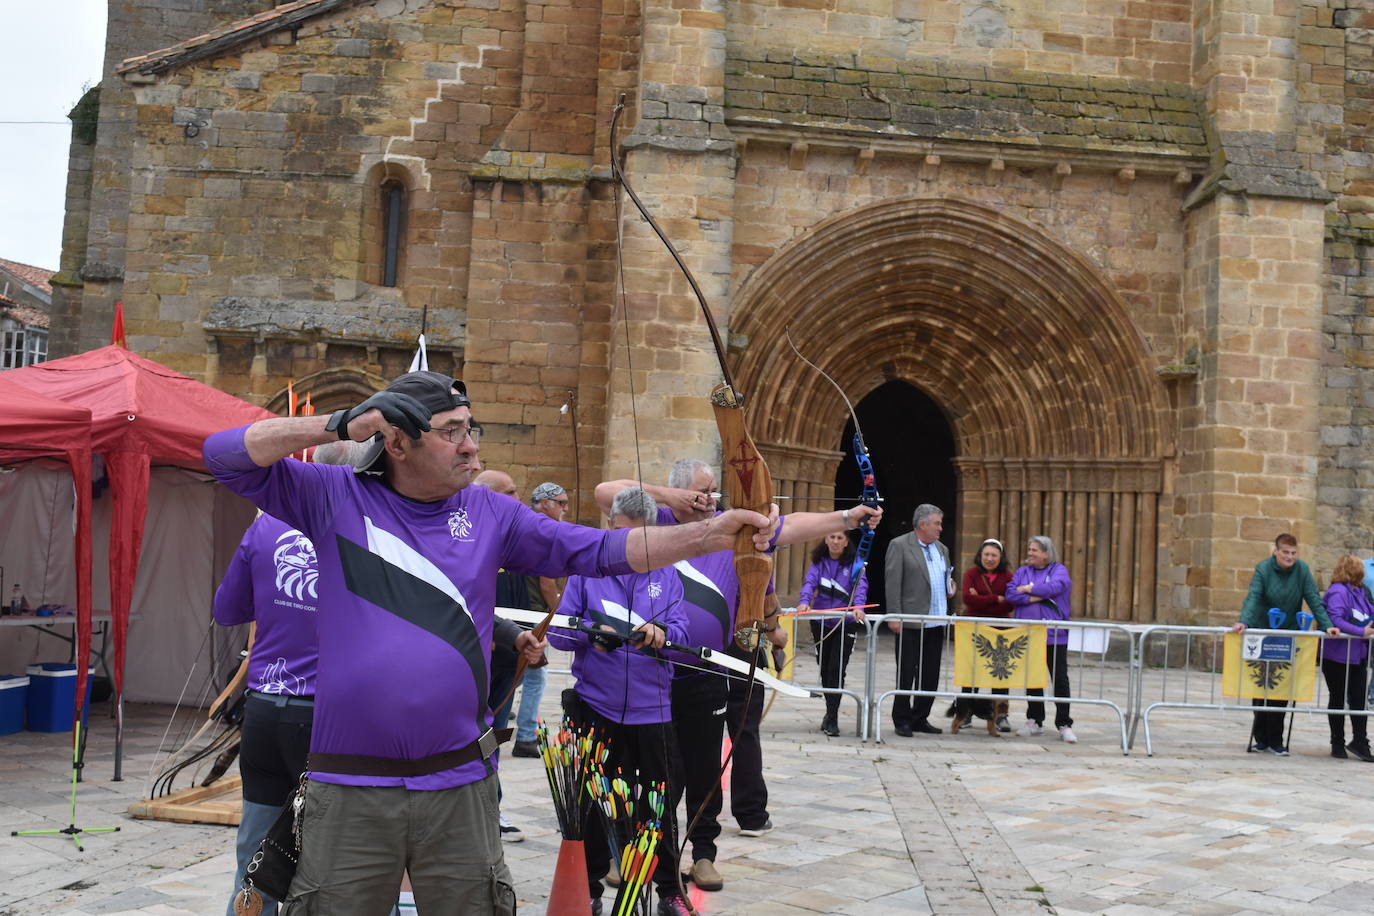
(14, 694)
(52, 696)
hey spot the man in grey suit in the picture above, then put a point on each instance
(919, 581)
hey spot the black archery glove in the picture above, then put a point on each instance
(400, 410)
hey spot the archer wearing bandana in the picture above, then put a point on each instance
(401, 771)
(624, 692)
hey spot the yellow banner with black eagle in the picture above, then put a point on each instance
(1257, 667)
(993, 656)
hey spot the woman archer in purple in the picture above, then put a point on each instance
(827, 585)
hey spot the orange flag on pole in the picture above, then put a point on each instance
(117, 332)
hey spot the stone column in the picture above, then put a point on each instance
(1250, 443)
(681, 160)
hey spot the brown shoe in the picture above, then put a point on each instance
(705, 876)
(612, 878)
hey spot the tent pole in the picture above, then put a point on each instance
(119, 738)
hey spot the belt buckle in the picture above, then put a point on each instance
(487, 743)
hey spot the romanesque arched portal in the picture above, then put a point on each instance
(1046, 381)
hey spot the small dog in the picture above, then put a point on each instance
(965, 710)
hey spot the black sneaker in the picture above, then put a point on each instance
(1279, 750)
(596, 906)
(1360, 751)
(1338, 750)
(765, 827)
(1257, 748)
(525, 749)
(830, 726)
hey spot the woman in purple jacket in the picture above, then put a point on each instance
(828, 585)
(1040, 590)
(1343, 660)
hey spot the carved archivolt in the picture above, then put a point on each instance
(1029, 351)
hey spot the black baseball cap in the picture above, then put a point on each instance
(436, 391)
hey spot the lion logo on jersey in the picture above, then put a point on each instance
(459, 525)
(297, 570)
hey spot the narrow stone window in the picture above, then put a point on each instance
(393, 219)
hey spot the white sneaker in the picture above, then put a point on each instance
(1066, 735)
(510, 833)
(1029, 730)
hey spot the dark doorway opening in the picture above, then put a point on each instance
(911, 445)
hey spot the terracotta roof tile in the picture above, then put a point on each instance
(36, 277)
(34, 318)
(219, 40)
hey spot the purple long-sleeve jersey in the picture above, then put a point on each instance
(1350, 610)
(274, 579)
(406, 592)
(1052, 583)
(627, 685)
(827, 586)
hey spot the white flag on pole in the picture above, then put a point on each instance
(420, 362)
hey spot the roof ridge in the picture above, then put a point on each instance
(227, 36)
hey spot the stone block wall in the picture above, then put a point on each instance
(937, 98)
(1099, 37)
(263, 166)
(1249, 449)
(1338, 60)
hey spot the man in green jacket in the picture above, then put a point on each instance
(1284, 582)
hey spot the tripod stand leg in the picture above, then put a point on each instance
(71, 829)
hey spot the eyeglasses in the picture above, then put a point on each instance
(456, 434)
(562, 501)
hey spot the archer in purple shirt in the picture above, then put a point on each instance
(273, 580)
(408, 555)
(626, 684)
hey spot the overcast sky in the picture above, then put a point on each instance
(52, 50)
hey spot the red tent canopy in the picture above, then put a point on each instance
(142, 413)
(35, 426)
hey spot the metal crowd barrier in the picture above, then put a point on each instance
(1187, 663)
(1167, 667)
(860, 696)
(1088, 683)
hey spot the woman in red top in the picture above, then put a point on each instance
(984, 593)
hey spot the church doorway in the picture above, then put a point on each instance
(997, 375)
(911, 445)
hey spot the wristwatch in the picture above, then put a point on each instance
(338, 423)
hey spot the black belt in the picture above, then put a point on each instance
(363, 765)
(281, 699)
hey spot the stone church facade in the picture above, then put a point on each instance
(1122, 246)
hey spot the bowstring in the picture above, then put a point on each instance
(665, 717)
(162, 754)
(622, 187)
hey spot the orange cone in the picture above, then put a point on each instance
(570, 894)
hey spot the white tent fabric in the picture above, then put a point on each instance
(193, 527)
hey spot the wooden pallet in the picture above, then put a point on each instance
(218, 803)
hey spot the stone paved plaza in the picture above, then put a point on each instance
(963, 824)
